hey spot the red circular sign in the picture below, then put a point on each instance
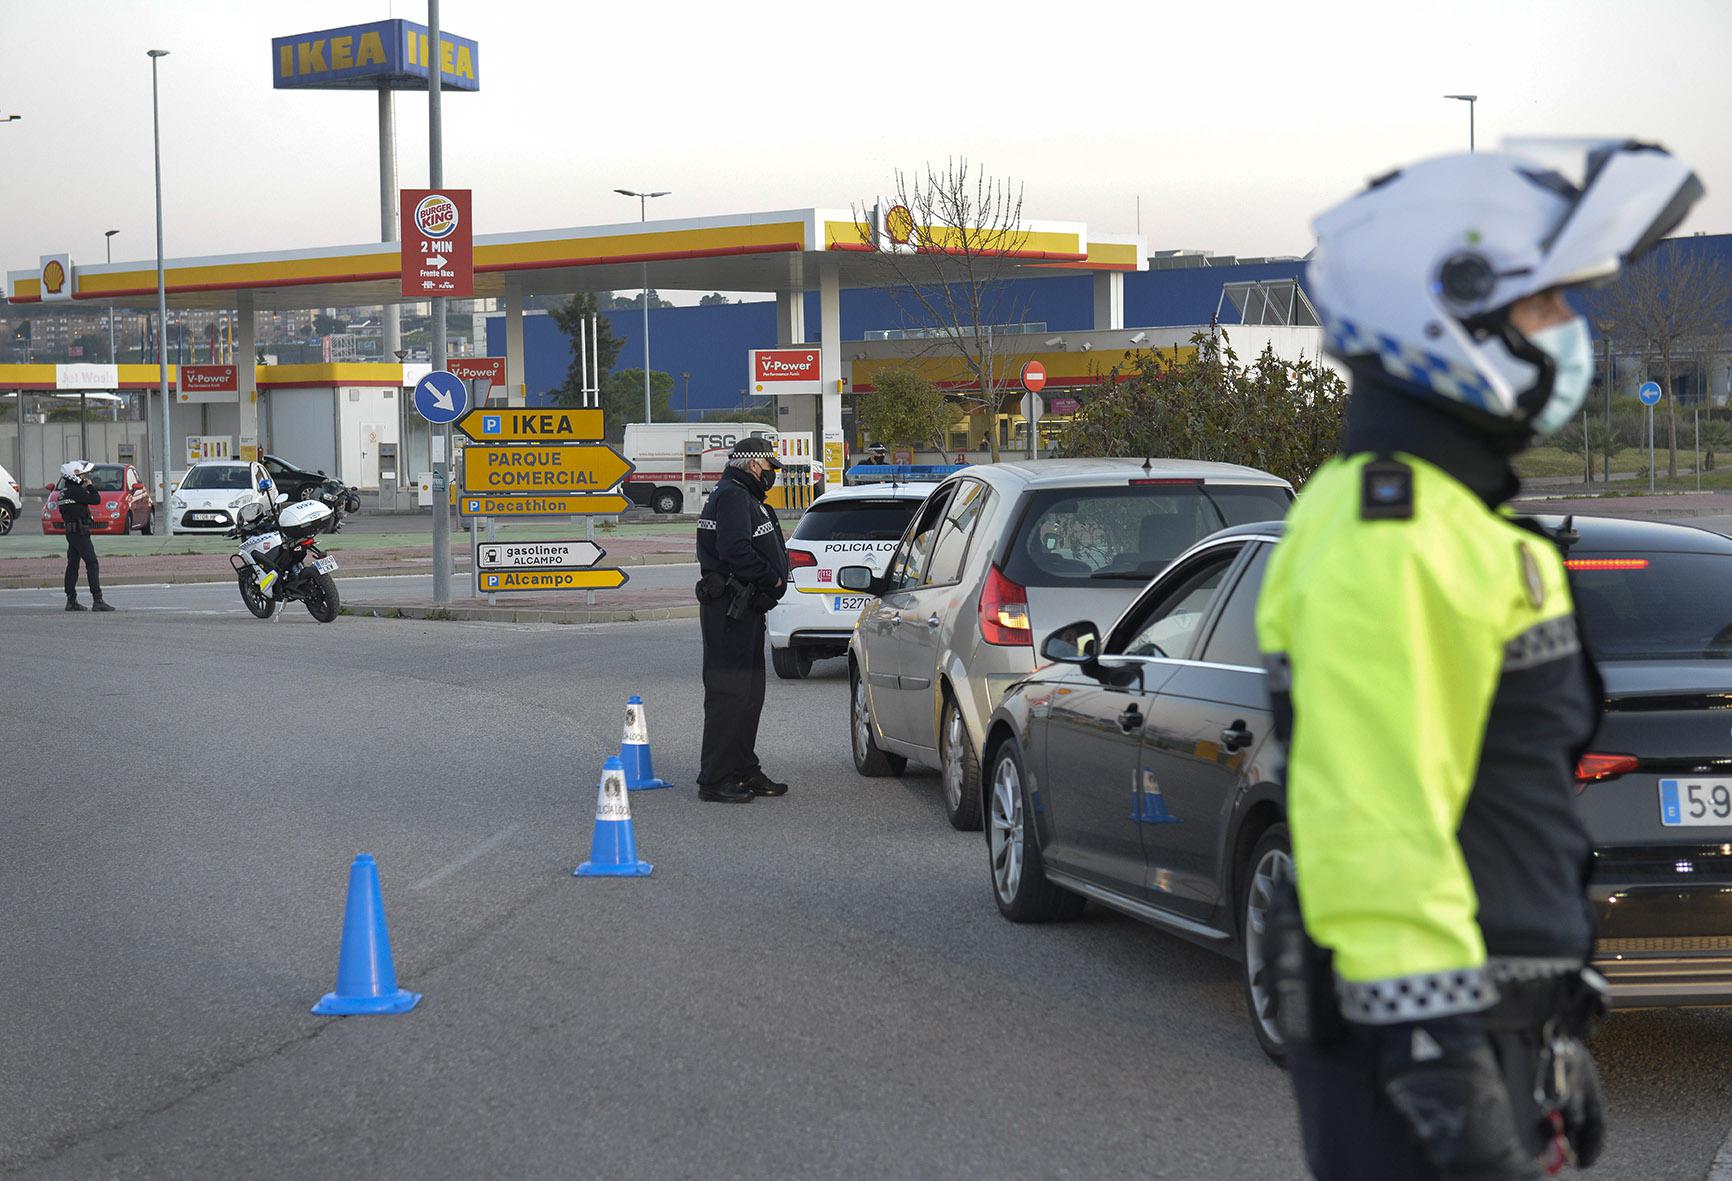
(1034, 377)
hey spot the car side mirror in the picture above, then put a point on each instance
(856, 578)
(321, 471)
(1074, 643)
(136, 488)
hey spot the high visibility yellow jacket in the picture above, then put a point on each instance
(1435, 695)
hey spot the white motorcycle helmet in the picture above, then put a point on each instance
(73, 469)
(1416, 274)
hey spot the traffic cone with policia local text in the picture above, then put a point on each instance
(613, 849)
(634, 749)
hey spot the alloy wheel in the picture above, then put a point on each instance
(862, 721)
(1006, 831)
(953, 740)
(1274, 867)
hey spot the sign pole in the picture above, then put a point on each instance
(442, 433)
(1650, 450)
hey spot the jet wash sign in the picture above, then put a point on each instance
(382, 55)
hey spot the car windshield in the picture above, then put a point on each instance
(1070, 536)
(862, 519)
(237, 477)
(1653, 606)
(107, 477)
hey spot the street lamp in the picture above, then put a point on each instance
(161, 292)
(1469, 99)
(686, 396)
(108, 251)
(643, 215)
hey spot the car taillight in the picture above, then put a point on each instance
(1592, 768)
(799, 557)
(1004, 611)
(1605, 563)
(1168, 481)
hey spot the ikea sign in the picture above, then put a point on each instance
(382, 55)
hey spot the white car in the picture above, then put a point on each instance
(856, 526)
(212, 493)
(11, 501)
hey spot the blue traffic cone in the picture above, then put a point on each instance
(613, 850)
(634, 749)
(366, 978)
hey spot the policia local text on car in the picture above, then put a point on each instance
(77, 495)
(745, 573)
(1427, 675)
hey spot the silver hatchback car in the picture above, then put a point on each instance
(998, 556)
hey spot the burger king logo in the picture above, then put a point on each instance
(54, 277)
(436, 216)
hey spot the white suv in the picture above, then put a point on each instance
(857, 526)
(11, 501)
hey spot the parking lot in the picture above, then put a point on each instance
(813, 985)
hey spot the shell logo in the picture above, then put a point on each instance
(53, 277)
(436, 216)
(899, 225)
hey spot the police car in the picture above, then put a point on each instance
(857, 526)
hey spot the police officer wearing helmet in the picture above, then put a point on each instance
(745, 573)
(1429, 682)
(77, 496)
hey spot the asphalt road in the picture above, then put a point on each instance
(818, 985)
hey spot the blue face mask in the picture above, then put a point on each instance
(1572, 352)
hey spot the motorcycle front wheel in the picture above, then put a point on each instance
(257, 601)
(322, 602)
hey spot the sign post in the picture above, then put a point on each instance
(1033, 381)
(1650, 395)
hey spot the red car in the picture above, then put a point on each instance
(125, 503)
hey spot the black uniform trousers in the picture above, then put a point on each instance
(80, 548)
(733, 693)
(1353, 1133)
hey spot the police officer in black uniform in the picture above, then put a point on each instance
(745, 573)
(77, 495)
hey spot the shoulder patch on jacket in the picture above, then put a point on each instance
(1386, 491)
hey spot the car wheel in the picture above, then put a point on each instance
(961, 770)
(869, 760)
(126, 525)
(1270, 863)
(6, 519)
(149, 525)
(791, 663)
(1019, 881)
(666, 500)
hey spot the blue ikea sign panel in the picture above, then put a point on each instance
(381, 55)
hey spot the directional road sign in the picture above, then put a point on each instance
(571, 467)
(1649, 393)
(441, 397)
(500, 425)
(541, 506)
(537, 555)
(545, 580)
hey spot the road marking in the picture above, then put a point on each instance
(1721, 1169)
(434, 879)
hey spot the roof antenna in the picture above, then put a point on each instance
(1567, 536)
(1146, 466)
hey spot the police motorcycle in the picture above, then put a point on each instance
(278, 561)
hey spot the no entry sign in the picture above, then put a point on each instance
(438, 256)
(1034, 377)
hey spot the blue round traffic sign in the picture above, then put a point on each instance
(441, 397)
(1649, 393)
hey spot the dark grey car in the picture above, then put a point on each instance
(1139, 768)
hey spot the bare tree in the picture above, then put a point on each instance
(1666, 306)
(946, 240)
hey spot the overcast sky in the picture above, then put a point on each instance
(1234, 123)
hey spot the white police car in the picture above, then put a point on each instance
(857, 526)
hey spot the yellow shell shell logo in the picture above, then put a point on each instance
(899, 225)
(53, 277)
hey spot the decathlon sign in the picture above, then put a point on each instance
(785, 371)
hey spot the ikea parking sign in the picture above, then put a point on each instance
(380, 55)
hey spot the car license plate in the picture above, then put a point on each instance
(207, 518)
(325, 565)
(842, 603)
(1696, 803)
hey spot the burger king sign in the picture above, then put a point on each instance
(438, 243)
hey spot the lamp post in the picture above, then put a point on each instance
(161, 293)
(1469, 99)
(643, 216)
(686, 396)
(108, 252)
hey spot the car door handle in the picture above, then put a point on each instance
(1131, 718)
(1236, 737)
(933, 621)
(894, 617)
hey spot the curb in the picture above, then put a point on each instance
(520, 614)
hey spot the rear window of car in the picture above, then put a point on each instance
(862, 519)
(1653, 606)
(1087, 536)
(213, 476)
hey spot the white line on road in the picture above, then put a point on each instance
(1721, 1169)
(435, 878)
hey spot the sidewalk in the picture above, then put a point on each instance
(611, 606)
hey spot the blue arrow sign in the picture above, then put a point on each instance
(441, 397)
(1649, 393)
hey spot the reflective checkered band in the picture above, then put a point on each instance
(1514, 969)
(706, 523)
(766, 527)
(1415, 998)
(1440, 375)
(1542, 643)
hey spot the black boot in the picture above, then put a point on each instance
(72, 603)
(99, 604)
(760, 784)
(725, 793)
